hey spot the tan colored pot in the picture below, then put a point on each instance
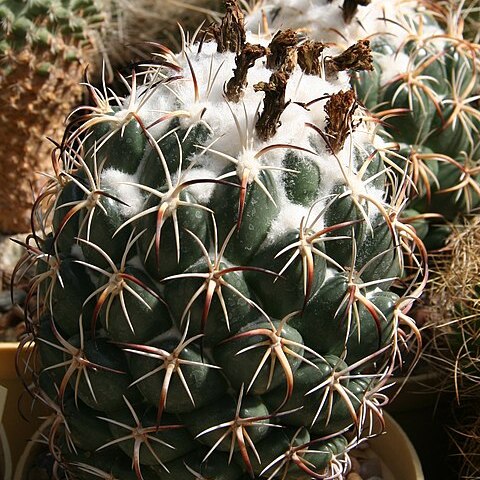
(399, 458)
(17, 430)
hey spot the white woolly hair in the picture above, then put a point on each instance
(233, 142)
(114, 181)
(323, 21)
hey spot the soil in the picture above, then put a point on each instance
(365, 464)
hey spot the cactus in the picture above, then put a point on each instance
(453, 310)
(423, 88)
(215, 297)
(45, 47)
(472, 19)
(452, 313)
(428, 105)
(40, 47)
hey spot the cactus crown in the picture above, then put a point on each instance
(215, 297)
(423, 89)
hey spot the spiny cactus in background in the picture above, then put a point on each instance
(466, 436)
(424, 89)
(40, 51)
(428, 104)
(452, 313)
(216, 296)
(472, 20)
(454, 310)
(45, 46)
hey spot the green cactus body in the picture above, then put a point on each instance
(423, 87)
(228, 265)
(167, 442)
(433, 82)
(283, 294)
(114, 465)
(256, 339)
(303, 188)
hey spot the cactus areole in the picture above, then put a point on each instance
(214, 300)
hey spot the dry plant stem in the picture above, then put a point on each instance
(309, 57)
(230, 35)
(274, 104)
(340, 110)
(282, 51)
(357, 57)
(244, 60)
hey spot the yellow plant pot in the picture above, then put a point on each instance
(5, 455)
(399, 458)
(15, 431)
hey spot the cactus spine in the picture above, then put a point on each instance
(215, 299)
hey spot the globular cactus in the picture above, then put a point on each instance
(423, 88)
(215, 299)
(45, 48)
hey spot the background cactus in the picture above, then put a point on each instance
(423, 88)
(40, 51)
(452, 312)
(216, 294)
(453, 308)
(45, 47)
(472, 19)
(427, 100)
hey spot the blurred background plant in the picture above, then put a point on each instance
(453, 312)
(45, 49)
(466, 438)
(471, 9)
